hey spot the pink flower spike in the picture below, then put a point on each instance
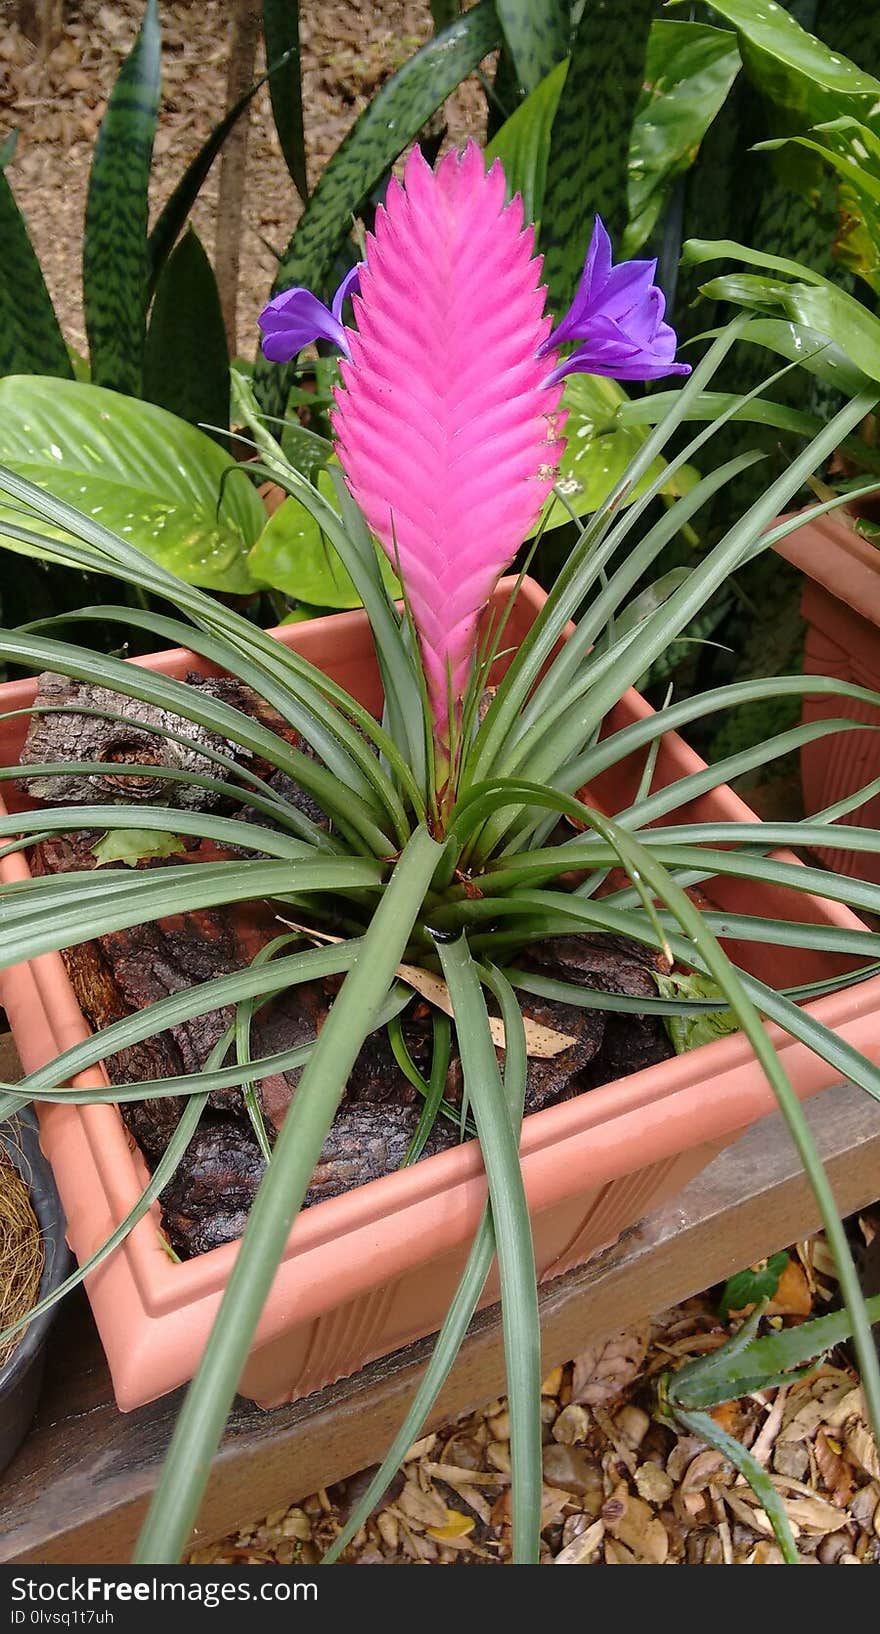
(446, 426)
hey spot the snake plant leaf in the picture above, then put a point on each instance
(281, 35)
(115, 244)
(186, 358)
(31, 341)
(292, 554)
(160, 483)
(803, 78)
(523, 142)
(393, 118)
(587, 166)
(537, 36)
(172, 217)
(689, 71)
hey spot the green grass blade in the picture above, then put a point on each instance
(516, 1259)
(203, 1415)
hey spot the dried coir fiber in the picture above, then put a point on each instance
(21, 1253)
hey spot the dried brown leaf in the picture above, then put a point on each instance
(602, 1372)
(581, 1549)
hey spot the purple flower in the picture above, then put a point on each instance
(293, 319)
(617, 314)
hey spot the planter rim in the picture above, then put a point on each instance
(384, 1220)
(838, 558)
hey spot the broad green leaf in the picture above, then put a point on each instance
(689, 71)
(162, 484)
(115, 243)
(751, 1286)
(186, 358)
(598, 449)
(134, 845)
(281, 34)
(821, 307)
(687, 1032)
(799, 75)
(31, 341)
(392, 119)
(537, 36)
(587, 166)
(293, 554)
(814, 352)
(523, 142)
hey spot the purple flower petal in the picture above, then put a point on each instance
(295, 318)
(617, 315)
(350, 285)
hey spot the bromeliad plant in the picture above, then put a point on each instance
(448, 434)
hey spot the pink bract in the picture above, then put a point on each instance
(447, 429)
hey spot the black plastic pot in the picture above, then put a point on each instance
(22, 1375)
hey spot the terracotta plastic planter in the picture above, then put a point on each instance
(375, 1269)
(841, 606)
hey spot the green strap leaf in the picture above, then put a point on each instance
(536, 36)
(281, 34)
(204, 1412)
(186, 358)
(513, 1235)
(393, 118)
(704, 1426)
(588, 166)
(115, 244)
(31, 341)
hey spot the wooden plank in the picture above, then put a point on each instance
(78, 1490)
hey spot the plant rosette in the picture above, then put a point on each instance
(443, 751)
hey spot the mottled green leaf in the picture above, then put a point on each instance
(750, 1287)
(133, 845)
(281, 34)
(688, 74)
(536, 34)
(186, 358)
(523, 142)
(31, 341)
(394, 116)
(800, 76)
(587, 169)
(687, 1032)
(292, 554)
(115, 244)
(157, 481)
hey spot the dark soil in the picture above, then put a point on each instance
(207, 1202)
